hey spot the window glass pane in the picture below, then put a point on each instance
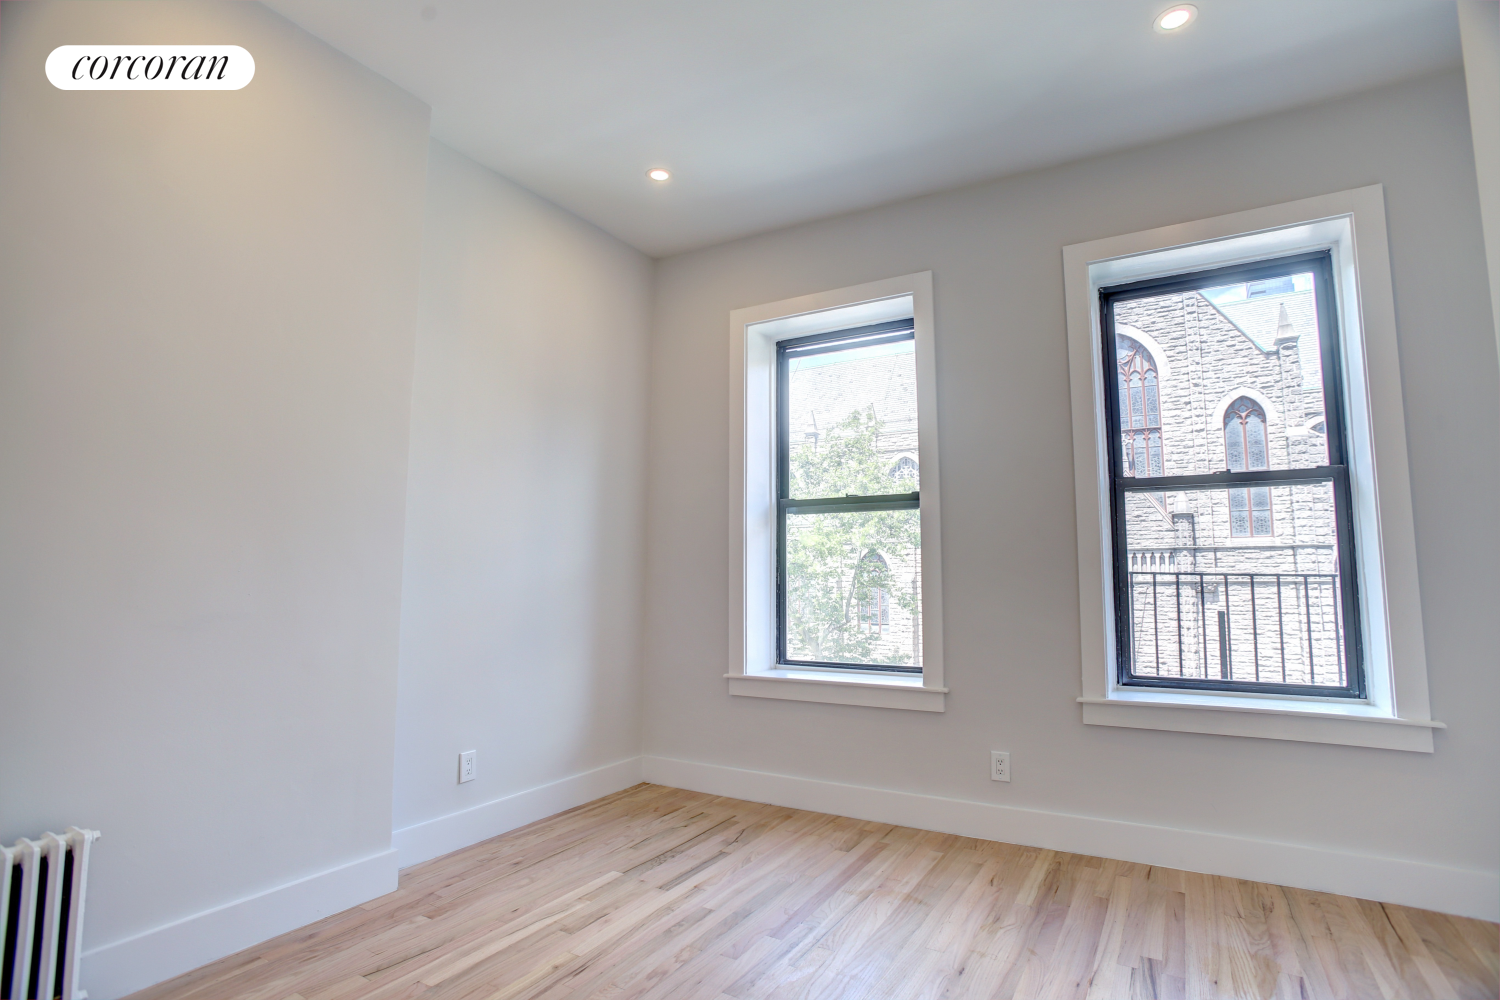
(1240, 585)
(1239, 513)
(1260, 511)
(1184, 358)
(852, 422)
(854, 588)
(1234, 446)
(1256, 456)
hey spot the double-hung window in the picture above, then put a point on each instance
(835, 574)
(1233, 544)
(849, 520)
(1246, 566)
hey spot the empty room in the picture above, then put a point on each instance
(728, 500)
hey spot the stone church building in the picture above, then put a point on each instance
(1235, 584)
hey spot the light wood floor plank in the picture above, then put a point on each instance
(663, 894)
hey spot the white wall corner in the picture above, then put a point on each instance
(1392, 880)
(122, 967)
(446, 834)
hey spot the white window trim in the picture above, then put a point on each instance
(754, 333)
(1396, 715)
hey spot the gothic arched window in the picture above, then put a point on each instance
(1246, 450)
(1140, 409)
(874, 600)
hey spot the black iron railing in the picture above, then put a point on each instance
(1256, 628)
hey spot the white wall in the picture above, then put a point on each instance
(520, 632)
(1479, 27)
(207, 305)
(1405, 826)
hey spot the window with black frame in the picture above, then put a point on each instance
(849, 539)
(1232, 534)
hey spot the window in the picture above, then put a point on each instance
(905, 468)
(1219, 610)
(838, 505)
(1140, 409)
(874, 609)
(1245, 451)
(1246, 567)
(835, 578)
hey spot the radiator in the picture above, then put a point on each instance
(41, 915)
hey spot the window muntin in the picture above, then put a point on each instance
(1273, 553)
(849, 520)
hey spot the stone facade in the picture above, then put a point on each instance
(825, 395)
(1230, 584)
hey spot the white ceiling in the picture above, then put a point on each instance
(772, 112)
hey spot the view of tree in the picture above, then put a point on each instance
(831, 558)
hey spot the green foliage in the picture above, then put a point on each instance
(836, 560)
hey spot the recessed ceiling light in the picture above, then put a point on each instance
(658, 174)
(1176, 17)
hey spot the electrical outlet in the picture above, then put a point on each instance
(999, 765)
(466, 766)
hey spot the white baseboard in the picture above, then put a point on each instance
(445, 834)
(114, 970)
(122, 967)
(1459, 891)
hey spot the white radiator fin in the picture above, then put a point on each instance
(42, 885)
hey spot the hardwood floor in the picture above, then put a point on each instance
(662, 893)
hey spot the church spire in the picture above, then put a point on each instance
(1284, 332)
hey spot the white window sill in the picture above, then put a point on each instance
(867, 689)
(1306, 720)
